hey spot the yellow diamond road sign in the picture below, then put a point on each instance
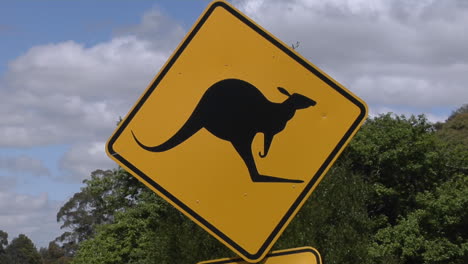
(236, 130)
(304, 255)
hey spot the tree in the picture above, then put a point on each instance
(150, 232)
(116, 219)
(54, 254)
(399, 157)
(397, 194)
(21, 250)
(3, 240)
(124, 241)
(104, 194)
(416, 181)
(3, 244)
(334, 219)
(433, 233)
(454, 133)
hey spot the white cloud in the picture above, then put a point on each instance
(81, 160)
(393, 54)
(66, 92)
(161, 31)
(408, 91)
(382, 109)
(7, 183)
(23, 164)
(70, 68)
(33, 216)
(69, 93)
(409, 54)
(396, 54)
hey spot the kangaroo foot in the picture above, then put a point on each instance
(264, 178)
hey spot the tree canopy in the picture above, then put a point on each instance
(397, 194)
(20, 250)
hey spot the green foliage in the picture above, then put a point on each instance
(398, 194)
(3, 243)
(22, 250)
(406, 164)
(150, 232)
(399, 157)
(454, 133)
(4, 259)
(334, 219)
(434, 233)
(104, 194)
(460, 111)
(54, 254)
(3, 240)
(127, 240)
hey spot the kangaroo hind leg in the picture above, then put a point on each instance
(244, 150)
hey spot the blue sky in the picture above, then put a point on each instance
(26, 24)
(69, 69)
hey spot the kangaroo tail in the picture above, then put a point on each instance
(187, 130)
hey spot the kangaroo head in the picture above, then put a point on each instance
(297, 101)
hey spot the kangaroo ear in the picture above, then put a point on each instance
(283, 91)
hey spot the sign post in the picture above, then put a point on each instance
(236, 130)
(303, 255)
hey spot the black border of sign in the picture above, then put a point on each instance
(309, 186)
(275, 254)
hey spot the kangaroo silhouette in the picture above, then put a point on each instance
(235, 110)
